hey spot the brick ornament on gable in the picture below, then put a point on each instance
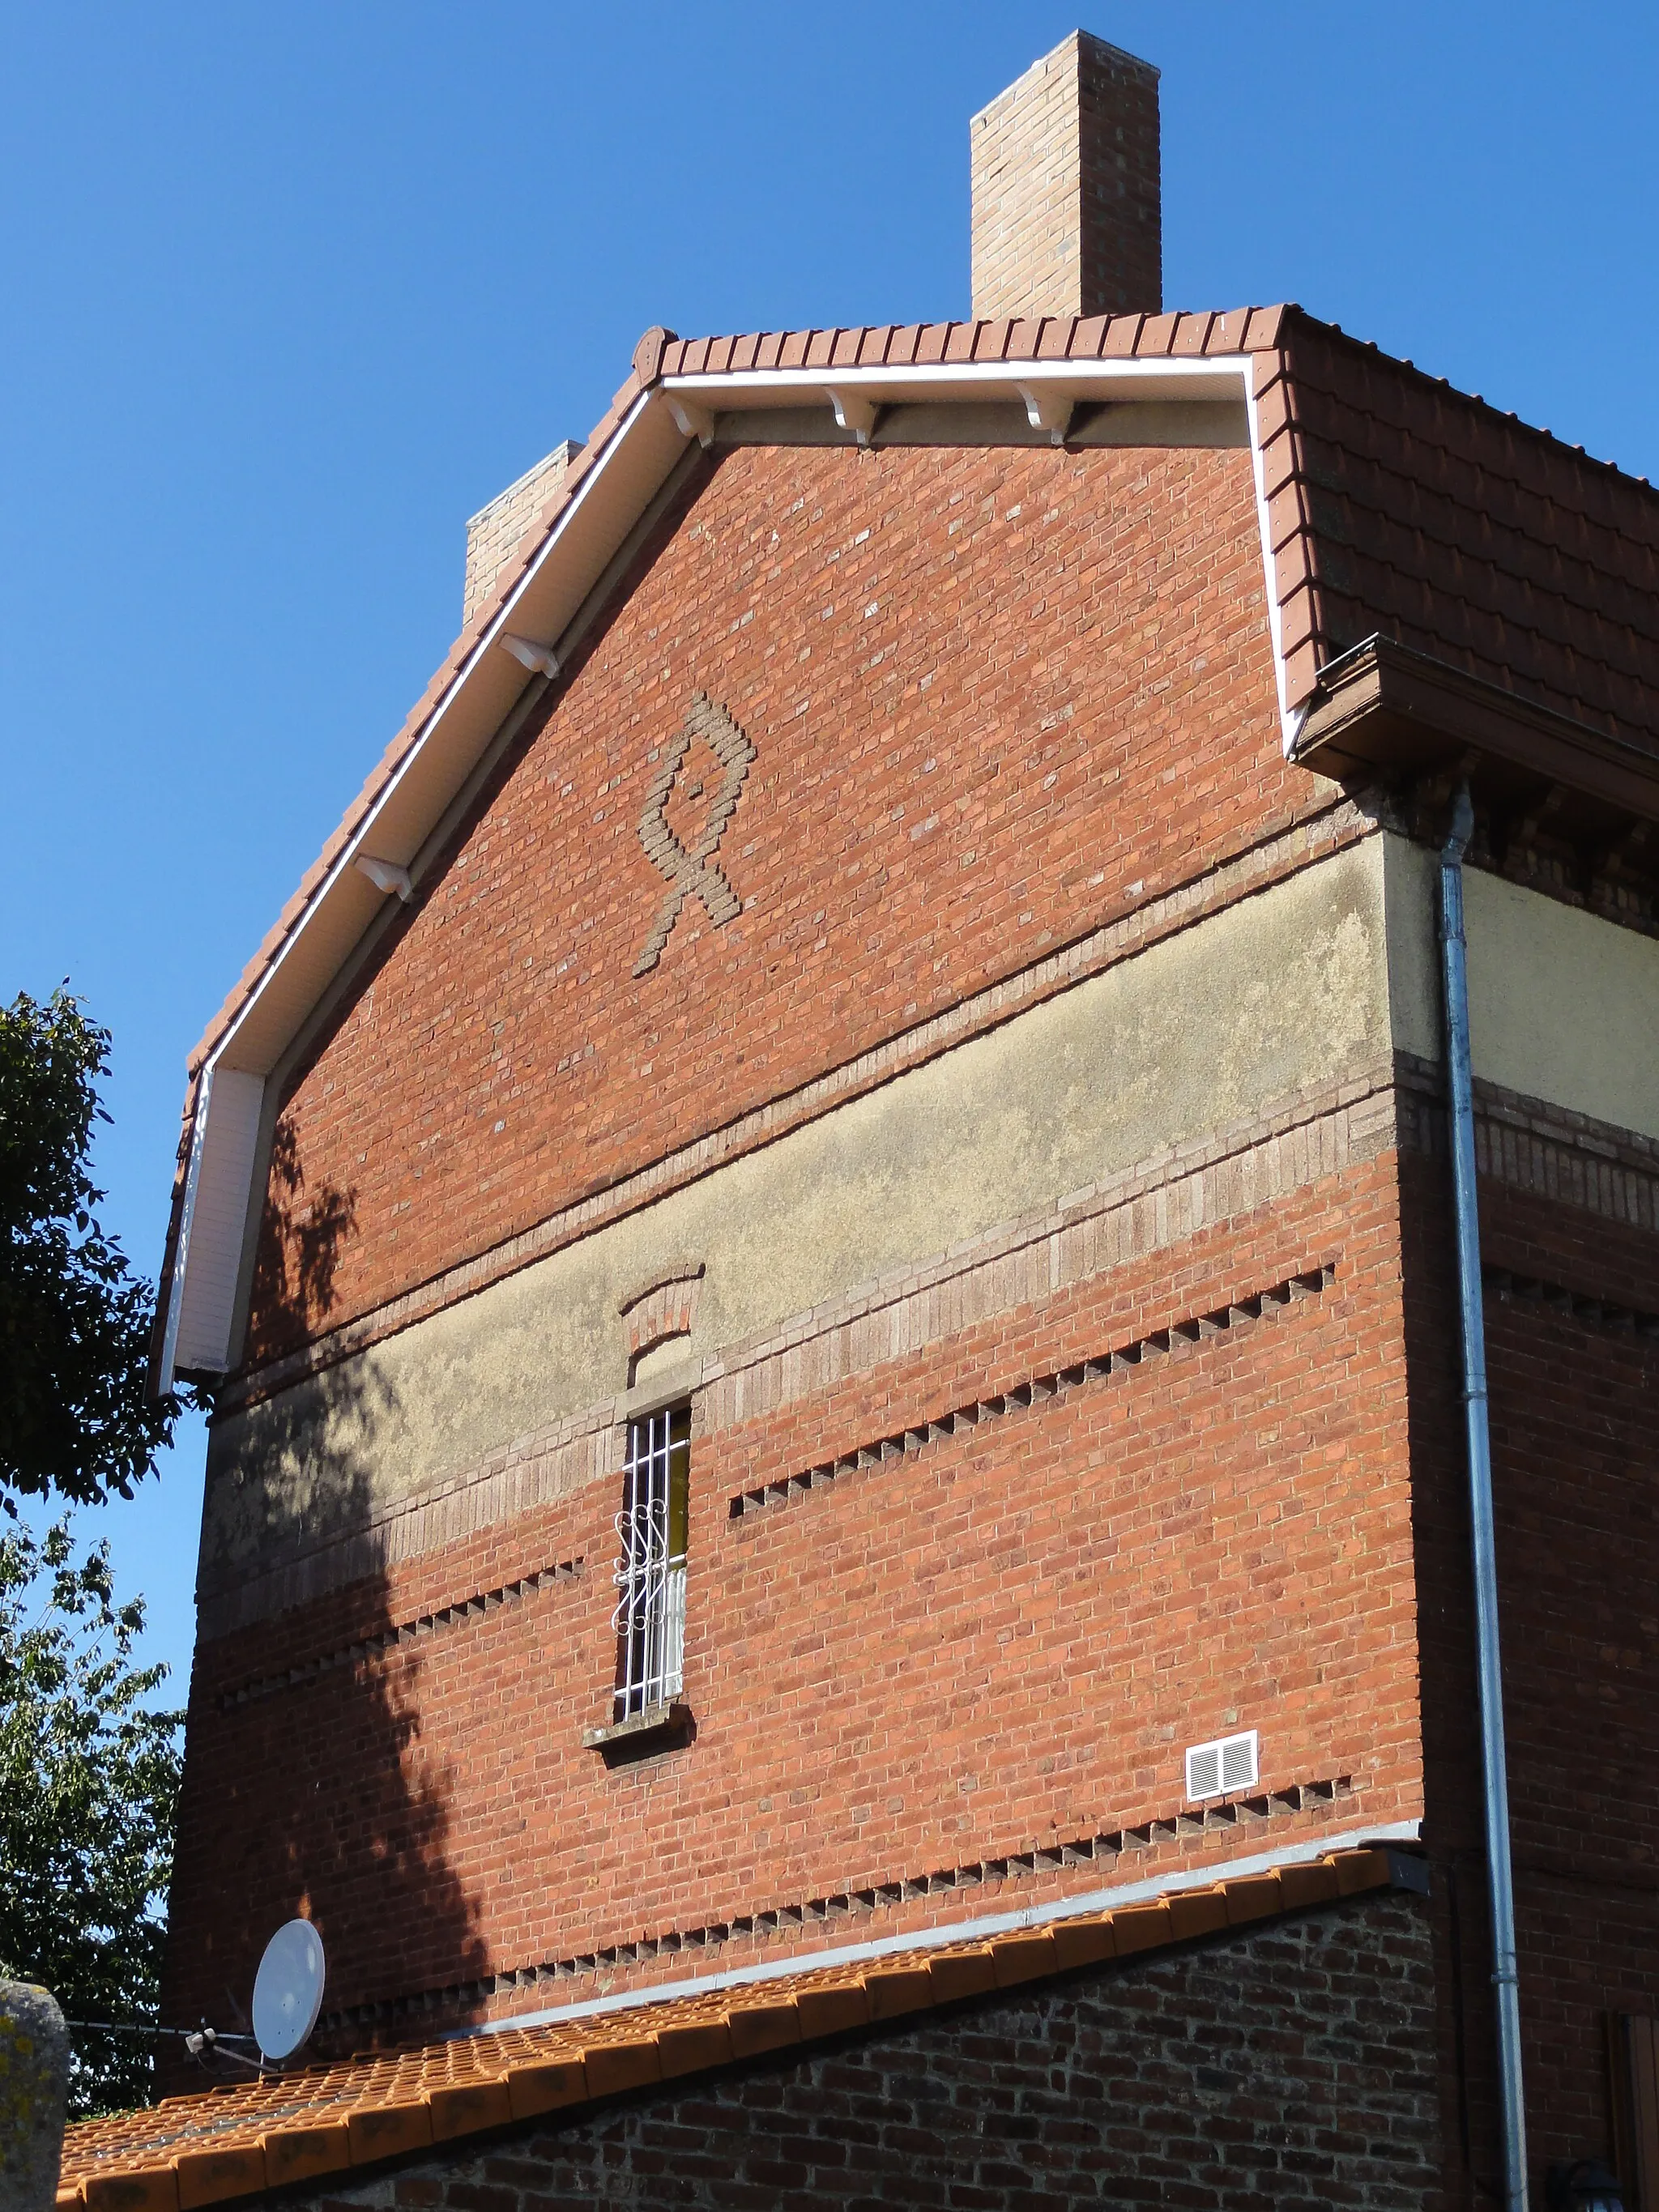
(692, 870)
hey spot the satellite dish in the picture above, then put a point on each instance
(287, 1990)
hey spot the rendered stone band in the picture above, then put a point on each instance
(693, 869)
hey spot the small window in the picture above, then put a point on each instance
(650, 1616)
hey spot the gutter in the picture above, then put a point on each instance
(1493, 1762)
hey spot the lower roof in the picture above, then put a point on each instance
(244, 2138)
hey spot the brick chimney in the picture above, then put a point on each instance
(1066, 213)
(494, 533)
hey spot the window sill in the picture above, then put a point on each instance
(652, 1729)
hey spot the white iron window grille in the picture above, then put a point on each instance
(650, 1615)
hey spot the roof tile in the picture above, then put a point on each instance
(208, 2177)
(546, 2086)
(280, 2131)
(1156, 335)
(300, 2153)
(628, 2063)
(387, 2130)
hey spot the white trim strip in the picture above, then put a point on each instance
(961, 1931)
(186, 1219)
(347, 858)
(973, 379)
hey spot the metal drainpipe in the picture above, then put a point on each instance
(1492, 1760)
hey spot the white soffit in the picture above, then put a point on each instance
(217, 1197)
(201, 1288)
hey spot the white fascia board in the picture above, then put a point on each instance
(1218, 377)
(483, 693)
(218, 1217)
(200, 1290)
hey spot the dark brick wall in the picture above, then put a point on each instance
(1292, 2068)
(1576, 1488)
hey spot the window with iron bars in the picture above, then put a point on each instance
(650, 1615)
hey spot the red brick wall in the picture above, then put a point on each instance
(997, 697)
(997, 1645)
(1575, 1476)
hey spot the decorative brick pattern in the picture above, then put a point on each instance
(1123, 1219)
(692, 871)
(1221, 1510)
(1575, 1305)
(1224, 1818)
(924, 822)
(1330, 830)
(369, 1647)
(667, 1309)
(1248, 1307)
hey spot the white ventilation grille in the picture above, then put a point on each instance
(1216, 1770)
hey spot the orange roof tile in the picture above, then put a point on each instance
(238, 2139)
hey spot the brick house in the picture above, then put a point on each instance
(837, 1553)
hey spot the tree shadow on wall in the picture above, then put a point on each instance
(312, 1784)
(302, 1237)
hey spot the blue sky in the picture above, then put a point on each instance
(289, 292)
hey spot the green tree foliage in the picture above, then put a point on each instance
(88, 1781)
(75, 1323)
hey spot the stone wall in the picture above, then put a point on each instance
(1293, 2066)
